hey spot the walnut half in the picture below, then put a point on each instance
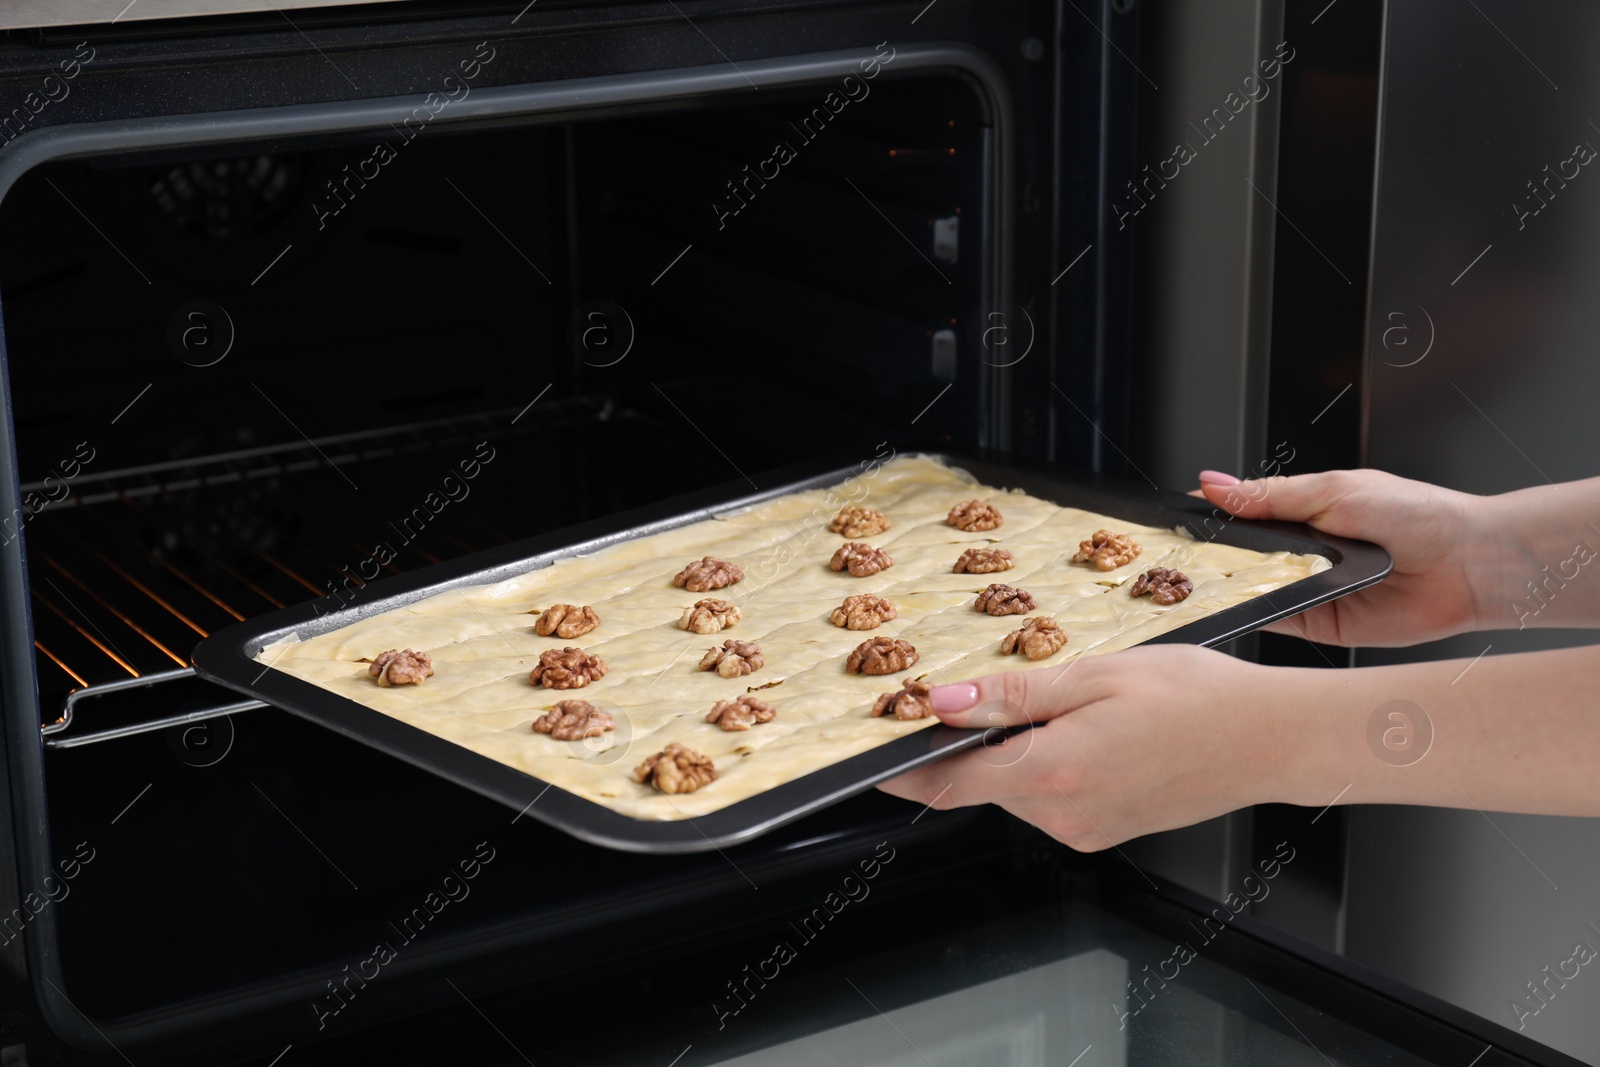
(740, 712)
(1038, 638)
(984, 561)
(401, 667)
(1164, 585)
(975, 516)
(709, 616)
(676, 769)
(704, 575)
(910, 701)
(1001, 599)
(566, 668)
(1107, 550)
(734, 658)
(861, 559)
(881, 655)
(863, 612)
(573, 720)
(857, 521)
(566, 620)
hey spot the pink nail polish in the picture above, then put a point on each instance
(957, 697)
(1217, 478)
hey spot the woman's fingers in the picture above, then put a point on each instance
(1016, 697)
(1058, 817)
(991, 776)
(1001, 770)
(912, 785)
(1300, 498)
(1320, 624)
(1293, 626)
(944, 785)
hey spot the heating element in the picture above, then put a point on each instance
(141, 563)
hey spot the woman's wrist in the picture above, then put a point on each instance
(1533, 546)
(1488, 550)
(1328, 735)
(1502, 555)
(1284, 734)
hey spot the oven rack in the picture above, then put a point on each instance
(118, 599)
(267, 461)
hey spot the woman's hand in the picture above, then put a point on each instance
(1161, 736)
(1132, 742)
(1441, 542)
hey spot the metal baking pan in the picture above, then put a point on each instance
(227, 657)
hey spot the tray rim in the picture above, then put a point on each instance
(227, 656)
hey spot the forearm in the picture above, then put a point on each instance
(1540, 557)
(1513, 733)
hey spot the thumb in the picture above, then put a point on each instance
(1297, 498)
(1015, 698)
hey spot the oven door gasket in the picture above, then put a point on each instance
(551, 101)
(228, 657)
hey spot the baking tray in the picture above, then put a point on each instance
(227, 657)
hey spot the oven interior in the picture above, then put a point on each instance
(556, 308)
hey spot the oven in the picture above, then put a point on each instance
(295, 296)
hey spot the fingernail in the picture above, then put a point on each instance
(1217, 478)
(953, 697)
